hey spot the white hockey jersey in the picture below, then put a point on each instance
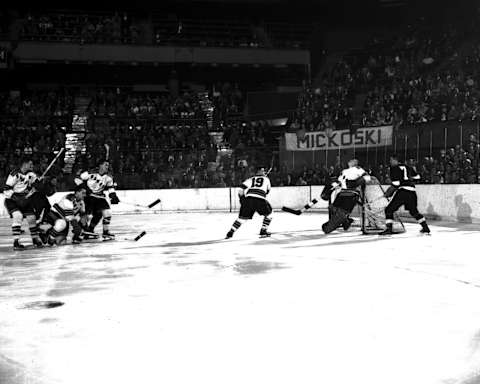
(257, 186)
(69, 207)
(18, 182)
(349, 175)
(97, 183)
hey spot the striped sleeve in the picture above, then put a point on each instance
(65, 208)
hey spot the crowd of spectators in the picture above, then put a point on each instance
(172, 146)
(165, 140)
(116, 102)
(420, 74)
(53, 103)
(82, 28)
(177, 155)
(38, 142)
(166, 29)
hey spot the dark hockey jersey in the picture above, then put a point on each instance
(404, 177)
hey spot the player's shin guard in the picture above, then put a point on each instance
(17, 219)
(16, 231)
(34, 231)
(236, 224)
(106, 223)
(266, 222)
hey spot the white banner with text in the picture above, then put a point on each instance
(343, 139)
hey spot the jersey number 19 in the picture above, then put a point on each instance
(257, 182)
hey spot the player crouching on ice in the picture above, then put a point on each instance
(344, 196)
(403, 192)
(69, 210)
(253, 198)
(96, 202)
(17, 191)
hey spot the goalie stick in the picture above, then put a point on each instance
(307, 206)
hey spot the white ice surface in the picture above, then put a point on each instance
(184, 306)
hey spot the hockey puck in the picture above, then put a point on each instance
(140, 236)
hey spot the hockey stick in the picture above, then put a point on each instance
(151, 205)
(271, 167)
(297, 212)
(52, 162)
(33, 190)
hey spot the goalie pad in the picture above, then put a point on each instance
(339, 216)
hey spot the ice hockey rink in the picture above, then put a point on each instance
(182, 305)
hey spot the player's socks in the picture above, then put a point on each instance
(266, 223)
(236, 224)
(34, 232)
(16, 232)
(106, 224)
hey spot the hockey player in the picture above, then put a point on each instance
(403, 191)
(329, 192)
(253, 198)
(18, 204)
(68, 210)
(39, 197)
(96, 202)
(345, 195)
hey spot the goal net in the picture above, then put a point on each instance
(370, 215)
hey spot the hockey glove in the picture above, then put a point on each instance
(8, 193)
(113, 198)
(390, 192)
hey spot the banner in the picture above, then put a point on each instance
(343, 139)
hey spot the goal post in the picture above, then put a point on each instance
(369, 214)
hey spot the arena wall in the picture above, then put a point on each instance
(441, 202)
